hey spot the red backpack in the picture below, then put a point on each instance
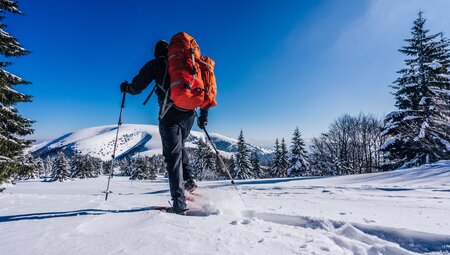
(192, 80)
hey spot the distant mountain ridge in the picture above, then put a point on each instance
(134, 140)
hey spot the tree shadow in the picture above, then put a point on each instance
(280, 180)
(157, 192)
(82, 212)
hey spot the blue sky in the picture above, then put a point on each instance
(279, 64)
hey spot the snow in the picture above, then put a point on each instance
(423, 130)
(389, 143)
(399, 212)
(434, 65)
(134, 139)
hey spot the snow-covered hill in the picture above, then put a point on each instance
(399, 212)
(133, 140)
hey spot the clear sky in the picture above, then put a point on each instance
(279, 64)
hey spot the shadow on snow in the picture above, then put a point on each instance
(50, 215)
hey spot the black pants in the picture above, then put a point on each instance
(174, 128)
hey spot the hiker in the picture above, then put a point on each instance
(175, 125)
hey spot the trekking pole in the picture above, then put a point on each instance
(115, 146)
(221, 163)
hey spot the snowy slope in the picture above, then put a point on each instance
(133, 140)
(400, 212)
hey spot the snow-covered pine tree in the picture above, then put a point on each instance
(107, 166)
(284, 163)
(12, 125)
(48, 166)
(60, 168)
(275, 165)
(256, 165)
(83, 166)
(439, 104)
(418, 131)
(160, 164)
(98, 165)
(298, 159)
(204, 162)
(40, 166)
(141, 169)
(125, 166)
(152, 167)
(280, 163)
(242, 165)
(28, 168)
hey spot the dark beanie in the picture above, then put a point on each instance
(161, 49)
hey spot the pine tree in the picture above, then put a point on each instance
(275, 166)
(439, 104)
(418, 130)
(152, 167)
(48, 166)
(242, 165)
(83, 166)
(298, 160)
(280, 162)
(160, 164)
(143, 169)
(39, 167)
(28, 169)
(125, 166)
(12, 124)
(256, 165)
(284, 163)
(204, 162)
(60, 168)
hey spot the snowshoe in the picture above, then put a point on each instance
(176, 210)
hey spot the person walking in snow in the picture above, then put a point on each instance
(175, 125)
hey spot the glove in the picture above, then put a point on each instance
(125, 87)
(202, 120)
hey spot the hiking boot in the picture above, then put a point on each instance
(176, 210)
(190, 185)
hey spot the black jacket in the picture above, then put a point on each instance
(155, 69)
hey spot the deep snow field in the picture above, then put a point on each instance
(400, 212)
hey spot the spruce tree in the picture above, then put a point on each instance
(39, 167)
(48, 166)
(256, 165)
(83, 166)
(204, 162)
(153, 165)
(284, 160)
(60, 168)
(12, 125)
(242, 165)
(298, 159)
(143, 169)
(28, 168)
(275, 166)
(418, 132)
(160, 164)
(280, 162)
(125, 166)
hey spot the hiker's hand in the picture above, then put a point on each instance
(203, 119)
(125, 87)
